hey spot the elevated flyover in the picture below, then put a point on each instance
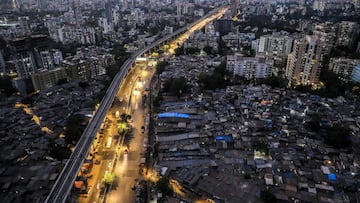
(65, 180)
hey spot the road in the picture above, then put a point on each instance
(127, 166)
(126, 170)
(64, 182)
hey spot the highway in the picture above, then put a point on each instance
(65, 180)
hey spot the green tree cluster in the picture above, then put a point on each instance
(62, 81)
(247, 176)
(163, 186)
(261, 147)
(248, 51)
(275, 82)
(84, 84)
(121, 56)
(267, 197)
(124, 123)
(125, 117)
(179, 51)
(333, 86)
(314, 123)
(75, 127)
(192, 50)
(208, 50)
(160, 67)
(59, 152)
(338, 136)
(176, 86)
(6, 86)
(220, 78)
(108, 178)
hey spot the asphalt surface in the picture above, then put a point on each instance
(124, 166)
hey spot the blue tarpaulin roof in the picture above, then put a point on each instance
(173, 115)
(332, 177)
(226, 138)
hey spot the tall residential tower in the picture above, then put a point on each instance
(303, 64)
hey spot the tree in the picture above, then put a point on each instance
(223, 49)
(163, 186)
(121, 56)
(122, 127)
(247, 176)
(108, 178)
(62, 81)
(112, 70)
(177, 86)
(208, 49)
(218, 79)
(125, 117)
(123, 124)
(334, 87)
(160, 67)
(29, 100)
(100, 95)
(338, 136)
(83, 84)
(314, 123)
(192, 50)
(275, 81)
(248, 52)
(6, 86)
(156, 102)
(267, 197)
(179, 51)
(210, 81)
(74, 129)
(261, 147)
(59, 152)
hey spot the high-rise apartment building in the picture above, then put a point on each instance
(47, 78)
(45, 59)
(250, 67)
(178, 8)
(347, 32)
(343, 67)
(24, 58)
(108, 11)
(184, 8)
(303, 64)
(32, 54)
(326, 33)
(277, 44)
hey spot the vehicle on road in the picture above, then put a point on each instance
(142, 129)
(109, 142)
